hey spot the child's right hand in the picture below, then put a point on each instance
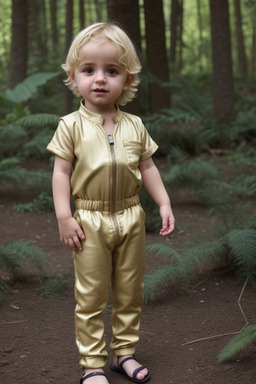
(71, 233)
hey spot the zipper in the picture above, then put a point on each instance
(113, 185)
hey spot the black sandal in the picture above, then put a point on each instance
(96, 373)
(121, 370)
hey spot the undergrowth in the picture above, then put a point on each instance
(56, 285)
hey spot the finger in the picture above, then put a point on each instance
(77, 243)
(164, 223)
(81, 234)
(70, 244)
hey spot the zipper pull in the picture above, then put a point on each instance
(110, 139)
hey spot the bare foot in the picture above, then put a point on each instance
(130, 366)
(93, 378)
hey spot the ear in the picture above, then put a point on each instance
(72, 78)
(128, 81)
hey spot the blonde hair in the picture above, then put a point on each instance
(126, 55)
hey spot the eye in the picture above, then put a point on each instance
(88, 70)
(112, 71)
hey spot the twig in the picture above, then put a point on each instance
(13, 322)
(226, 334)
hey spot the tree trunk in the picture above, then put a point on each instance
(54, 28)
(69, 36)
(180, 34)
(253, 54)
(19, 44)
(241, 55)
(174, 27)
(156, 53)
(223, 92)
(126, 14)
(81, 14)
(200, 35)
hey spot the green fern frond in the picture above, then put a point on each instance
(178, 155)
(191, 173)
(38, 120)
(238, 343)
(14, 174)
(11, 139)
(43, 203)
(56, 285)
(9, 164)
(185, 264)
(26, 89)
(35, 147)
(242, 244)
(15, 254)
(198, 106)
(37, 181)
(3, 289)
(152, 282)
(160, 249)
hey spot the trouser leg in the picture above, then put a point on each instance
(92, 277)
(127, 281)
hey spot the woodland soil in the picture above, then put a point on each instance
(37, 334)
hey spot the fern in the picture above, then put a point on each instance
(15, 254)
(185, 264)
(43, 203)
(242, 244)
(238, 343)
(190, 174)
(11, 139)
(3, 289)
(35, 148)
(38, 120)
(11, 172)
(56, 285)
(26, 89)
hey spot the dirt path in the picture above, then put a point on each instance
(37, 334)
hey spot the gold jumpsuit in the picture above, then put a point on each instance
(105, 184)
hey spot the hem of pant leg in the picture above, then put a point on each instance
(93, 362)
(124, 351)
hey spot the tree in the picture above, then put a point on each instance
(223, 92)
(200, 34)
(174, 27)
(19, 43)
(81, 14)
(156, 52)
(126, 13)
(53, 18)
(69, 35)
(241, 55)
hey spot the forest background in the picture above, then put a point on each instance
(197, 99)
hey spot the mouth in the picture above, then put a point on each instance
(99, 90)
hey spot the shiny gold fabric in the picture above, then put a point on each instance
(105, 182)
(109, 254)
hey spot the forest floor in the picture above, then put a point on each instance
(37, 334)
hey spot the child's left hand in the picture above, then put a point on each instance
(168, 220)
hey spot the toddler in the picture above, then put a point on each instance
(102, 157)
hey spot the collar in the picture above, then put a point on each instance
(96, 117)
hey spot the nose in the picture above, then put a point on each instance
(100, 77)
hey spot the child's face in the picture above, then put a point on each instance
(100, 79)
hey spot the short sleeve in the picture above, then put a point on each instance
(62, 142)
(149, 147)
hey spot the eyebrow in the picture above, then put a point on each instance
(88, 64)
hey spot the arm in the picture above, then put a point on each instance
(70, 231)
(153, 183)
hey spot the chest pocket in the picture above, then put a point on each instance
(133, 152)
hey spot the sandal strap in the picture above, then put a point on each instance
(124, 360)
(96, 373)
(136, 371)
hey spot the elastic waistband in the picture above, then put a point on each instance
(107, 206)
